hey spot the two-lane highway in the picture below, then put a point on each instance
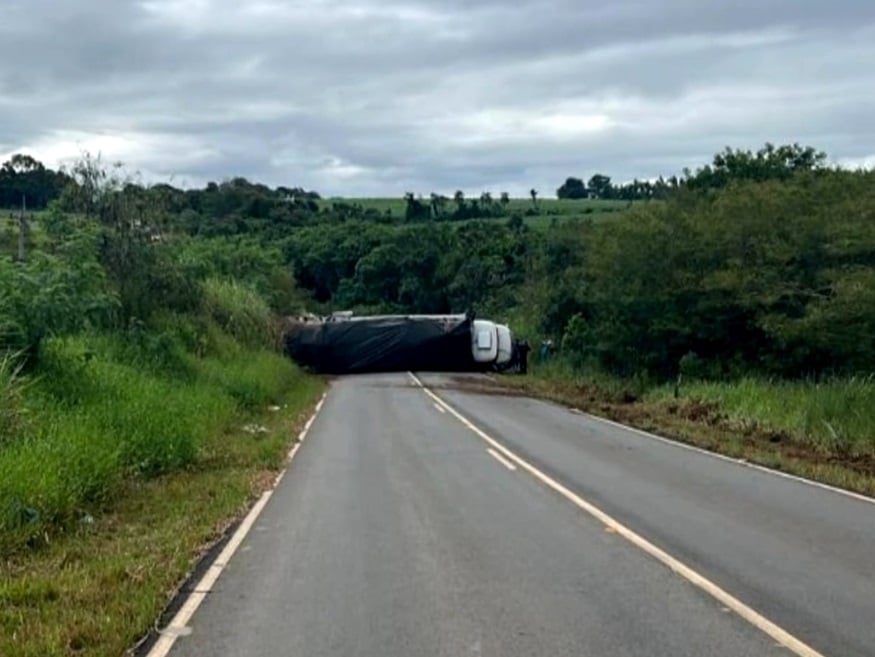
(801, 555)
(399, 530)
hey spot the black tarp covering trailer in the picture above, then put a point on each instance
(384, 344)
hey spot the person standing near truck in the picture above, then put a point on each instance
(546, 350)
(523, 350)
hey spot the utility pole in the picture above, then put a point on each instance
(22, 230)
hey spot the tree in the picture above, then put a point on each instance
(438, 203)
(505, 199)
(768, 163)
(461, 206)
(573, 188)
(600, 186)
(25, 179)
(416, 210)
(20, 164)
(534, 194)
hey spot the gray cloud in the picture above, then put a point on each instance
(379, 97)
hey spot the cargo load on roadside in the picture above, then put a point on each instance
(346, 344)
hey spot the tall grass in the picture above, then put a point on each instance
(100, 416)
(11, 392)
(252, 378)
(241, 311)
(835, 416)
(558, 369)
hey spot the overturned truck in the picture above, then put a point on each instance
(345, 344)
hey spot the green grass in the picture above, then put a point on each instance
(241, 312)
(822, 431)
(97, 590)
(835, 417)
(128, 455)
(569, 208)
(12, 386)
(96, 414)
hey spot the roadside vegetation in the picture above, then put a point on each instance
(144, 401)
(832, 417)
(738, 314)
(819, 430)
(99, 587)
(732, 307)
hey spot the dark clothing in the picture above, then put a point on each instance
(523, 350)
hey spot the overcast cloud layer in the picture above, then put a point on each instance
(379, 97)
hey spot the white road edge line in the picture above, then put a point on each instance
(498, 457)
(722, 457)
(753, 617)
(178, 626)
(439, 407)
(742, 462)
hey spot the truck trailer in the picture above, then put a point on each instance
(347, 344)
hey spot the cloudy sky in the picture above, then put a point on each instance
(379, 97)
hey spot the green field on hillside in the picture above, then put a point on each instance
(545, 207)
(547, 221)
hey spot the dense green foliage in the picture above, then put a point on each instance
(124, 344)
(768, 163)
(767, 274)
(601, 187)
(758, 262)
(773, 277)
(141, 317)
(25, 182)
(420, 268)
(541, 213)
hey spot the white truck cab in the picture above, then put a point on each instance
(505, 345)
(484, 341)
(491, 343)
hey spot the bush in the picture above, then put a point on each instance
(49, 295)
(253, 379)
(694, 367)
(576, 341)
(242, 312)
(773, 277)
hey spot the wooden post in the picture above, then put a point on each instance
(22, 230)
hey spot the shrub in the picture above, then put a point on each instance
(241, 311)
(252, 379)
(102, 420)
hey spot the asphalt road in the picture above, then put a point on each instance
(397, 533)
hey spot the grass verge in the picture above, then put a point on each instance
(816, 431)
(98, 586)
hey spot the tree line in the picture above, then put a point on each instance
(757, 262)
(27, 183)
(768, 163)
